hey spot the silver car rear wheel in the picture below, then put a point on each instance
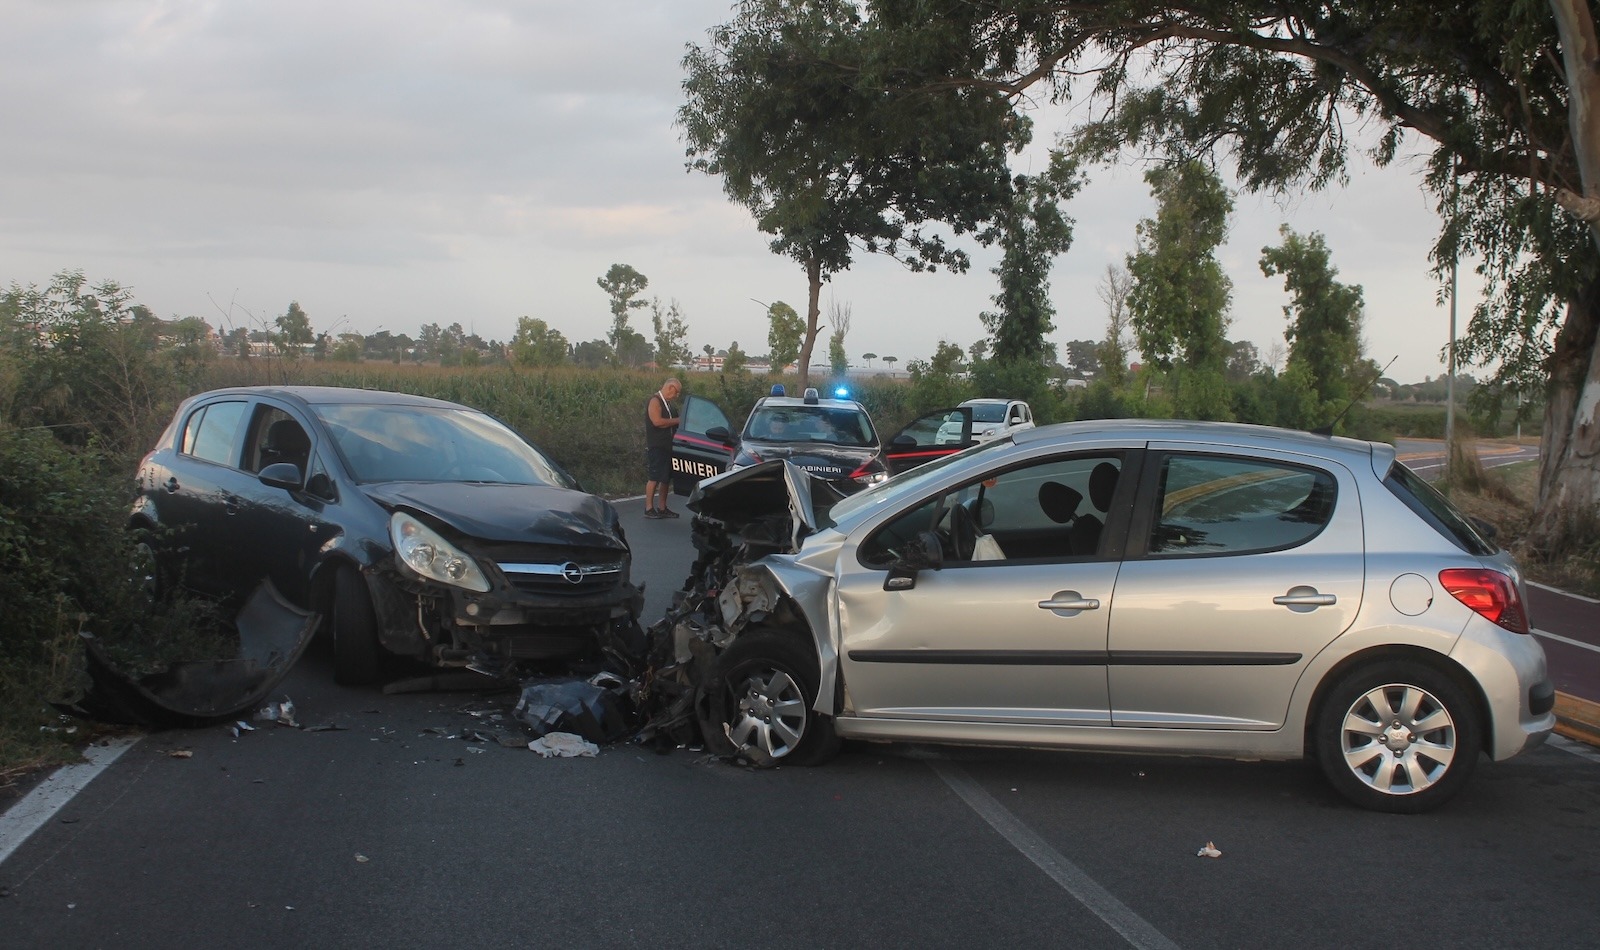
(1397, 736)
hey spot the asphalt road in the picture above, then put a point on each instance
(387, 832)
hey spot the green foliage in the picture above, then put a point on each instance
(538, 344)
(622, 284)
(294, 332)
(1324, 331)
(1032, 231)
(671, 334)
(785, 333)
(734, 363)
(791, 105)
(838, 361)
(1178, 303)
(939, 382)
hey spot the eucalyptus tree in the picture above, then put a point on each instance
(1179, 298)
(1324, 331)
(794, 105)
(1503, 95)
(1032, 231)
(623, 285)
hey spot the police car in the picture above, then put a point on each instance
(831, 438)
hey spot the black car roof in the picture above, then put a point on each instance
(336, 395)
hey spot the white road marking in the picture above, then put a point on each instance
(1578, 749)
(1564, 593)
(1567, 640)
(1117, 915)
(53, 794)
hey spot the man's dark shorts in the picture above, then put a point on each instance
(658, 464)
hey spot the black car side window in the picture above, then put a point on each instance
(212, 433)
(1218, 505)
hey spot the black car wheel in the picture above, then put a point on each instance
(1397, 736)
(763, 688)
(355, 631)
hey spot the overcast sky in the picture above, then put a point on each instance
(392, 163)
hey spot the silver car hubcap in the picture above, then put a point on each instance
(771, 714)
(1398, 739)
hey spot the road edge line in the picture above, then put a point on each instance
(36, 808)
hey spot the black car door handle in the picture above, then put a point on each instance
(231, 504)
(172, 485)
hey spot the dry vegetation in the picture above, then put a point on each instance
(1504, 497)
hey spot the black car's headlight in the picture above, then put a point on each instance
(420, 548)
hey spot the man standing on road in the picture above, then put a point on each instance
(659, 421)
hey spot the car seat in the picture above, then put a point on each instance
(1086, 530)
(286, 442)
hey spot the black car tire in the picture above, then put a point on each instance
(761, 693)
(1397, 736)
(356, 653)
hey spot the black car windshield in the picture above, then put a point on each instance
(382, 443)
(988, 411)
(832, 425)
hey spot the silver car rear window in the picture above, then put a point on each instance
(1434, 508)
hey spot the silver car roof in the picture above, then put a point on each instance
(1354, 453)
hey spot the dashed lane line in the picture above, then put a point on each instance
(1567, 640)
(1117, 915)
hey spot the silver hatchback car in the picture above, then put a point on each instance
(1139, 586)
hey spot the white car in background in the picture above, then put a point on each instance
(991, 419)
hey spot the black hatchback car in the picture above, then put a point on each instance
(416, 527)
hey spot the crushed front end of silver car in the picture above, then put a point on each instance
(742, 519)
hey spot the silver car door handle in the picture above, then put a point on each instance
(1310, 599)
(1081, 603)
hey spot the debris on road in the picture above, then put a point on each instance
(563, 745)
(596, 712)
(1209, 851)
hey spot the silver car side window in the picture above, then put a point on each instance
(1209, 505)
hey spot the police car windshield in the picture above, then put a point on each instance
(831, 425)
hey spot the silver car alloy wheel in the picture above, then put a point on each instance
(1398, 739)
(771, 714)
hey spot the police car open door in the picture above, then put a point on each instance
(935, 435)
(701, 444)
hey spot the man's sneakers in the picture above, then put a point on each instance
(660, 513)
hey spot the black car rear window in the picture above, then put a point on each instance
(1435, 509)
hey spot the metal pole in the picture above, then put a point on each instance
(1450, 378)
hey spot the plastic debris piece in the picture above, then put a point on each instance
(1209, 851)
(362, 859)
(563, 745)
(181, 754)
(280, 713)
(572, 705)
(244, 726)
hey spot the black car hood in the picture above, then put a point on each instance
(818, 458)
(533, 514)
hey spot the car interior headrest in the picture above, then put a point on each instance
(1102, 485)
(1059, 502)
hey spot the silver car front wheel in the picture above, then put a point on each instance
(1397, 736)
(761, 702)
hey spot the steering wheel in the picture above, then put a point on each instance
(962, 532)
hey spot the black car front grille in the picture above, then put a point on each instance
(564, 578)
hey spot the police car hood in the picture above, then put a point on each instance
(822, 459)
(532, 514)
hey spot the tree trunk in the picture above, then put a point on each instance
(813, 315)
(1569, 464)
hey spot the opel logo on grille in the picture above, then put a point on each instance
(572, 572)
